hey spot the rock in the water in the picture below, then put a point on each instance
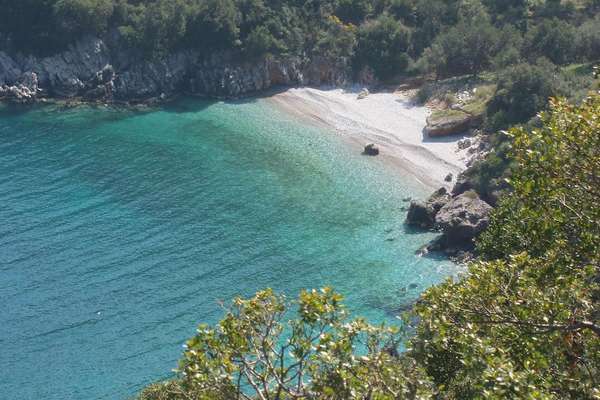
(439, 199)
(422, 214)
(449, 178)
(462, 219)
(371, 150)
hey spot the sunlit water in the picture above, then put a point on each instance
(120, 231)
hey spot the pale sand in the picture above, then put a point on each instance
(387, 119)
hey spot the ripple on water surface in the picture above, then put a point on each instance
(121, 231)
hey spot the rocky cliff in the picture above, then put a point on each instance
(92, 70)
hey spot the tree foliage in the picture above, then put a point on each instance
(383, 45)
(449, 36)
(525, 321)
(254, 353)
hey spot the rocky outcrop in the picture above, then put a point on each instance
(453, 123)
(461, 220)
(24, 91)
(423, 214)
(91, 70)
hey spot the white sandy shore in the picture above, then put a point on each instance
(385, 118)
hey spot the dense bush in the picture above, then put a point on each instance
(257, 352)
(383, 45)
(466, 48)
(524, 322)
(588, 40)
(553, 39)
(522, 91)
(449, 36)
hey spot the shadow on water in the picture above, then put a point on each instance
(186, 104)
(191, 103)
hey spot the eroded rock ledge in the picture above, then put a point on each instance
(94, 71)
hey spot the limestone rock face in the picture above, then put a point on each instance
(462, 219)
(10, 71)
(91, 70)
(24, 91)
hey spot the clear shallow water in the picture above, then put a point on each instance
(120, 231)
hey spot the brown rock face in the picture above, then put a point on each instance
(451, 124)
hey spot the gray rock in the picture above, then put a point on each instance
(449, 178)
(451, 124)
(371, 150)
(10, 71)
(24, 91)
(462, 219)
(91, 70)
(420, 214)
(423, 214)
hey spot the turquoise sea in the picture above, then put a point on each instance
(121, 230)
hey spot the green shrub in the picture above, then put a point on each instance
(553, 39)
(382, 44)
(522, 91)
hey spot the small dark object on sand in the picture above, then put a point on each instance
(371, 150)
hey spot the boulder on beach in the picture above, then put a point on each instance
(371, 149)
(451, 123)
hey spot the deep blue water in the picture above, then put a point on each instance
(120, 231)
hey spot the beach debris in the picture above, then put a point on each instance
(371, 149)
(363, 94)
(464, 143)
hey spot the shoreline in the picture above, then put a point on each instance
(386, 118)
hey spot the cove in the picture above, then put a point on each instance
(122, 230)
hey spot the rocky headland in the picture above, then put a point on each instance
(95, 69)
